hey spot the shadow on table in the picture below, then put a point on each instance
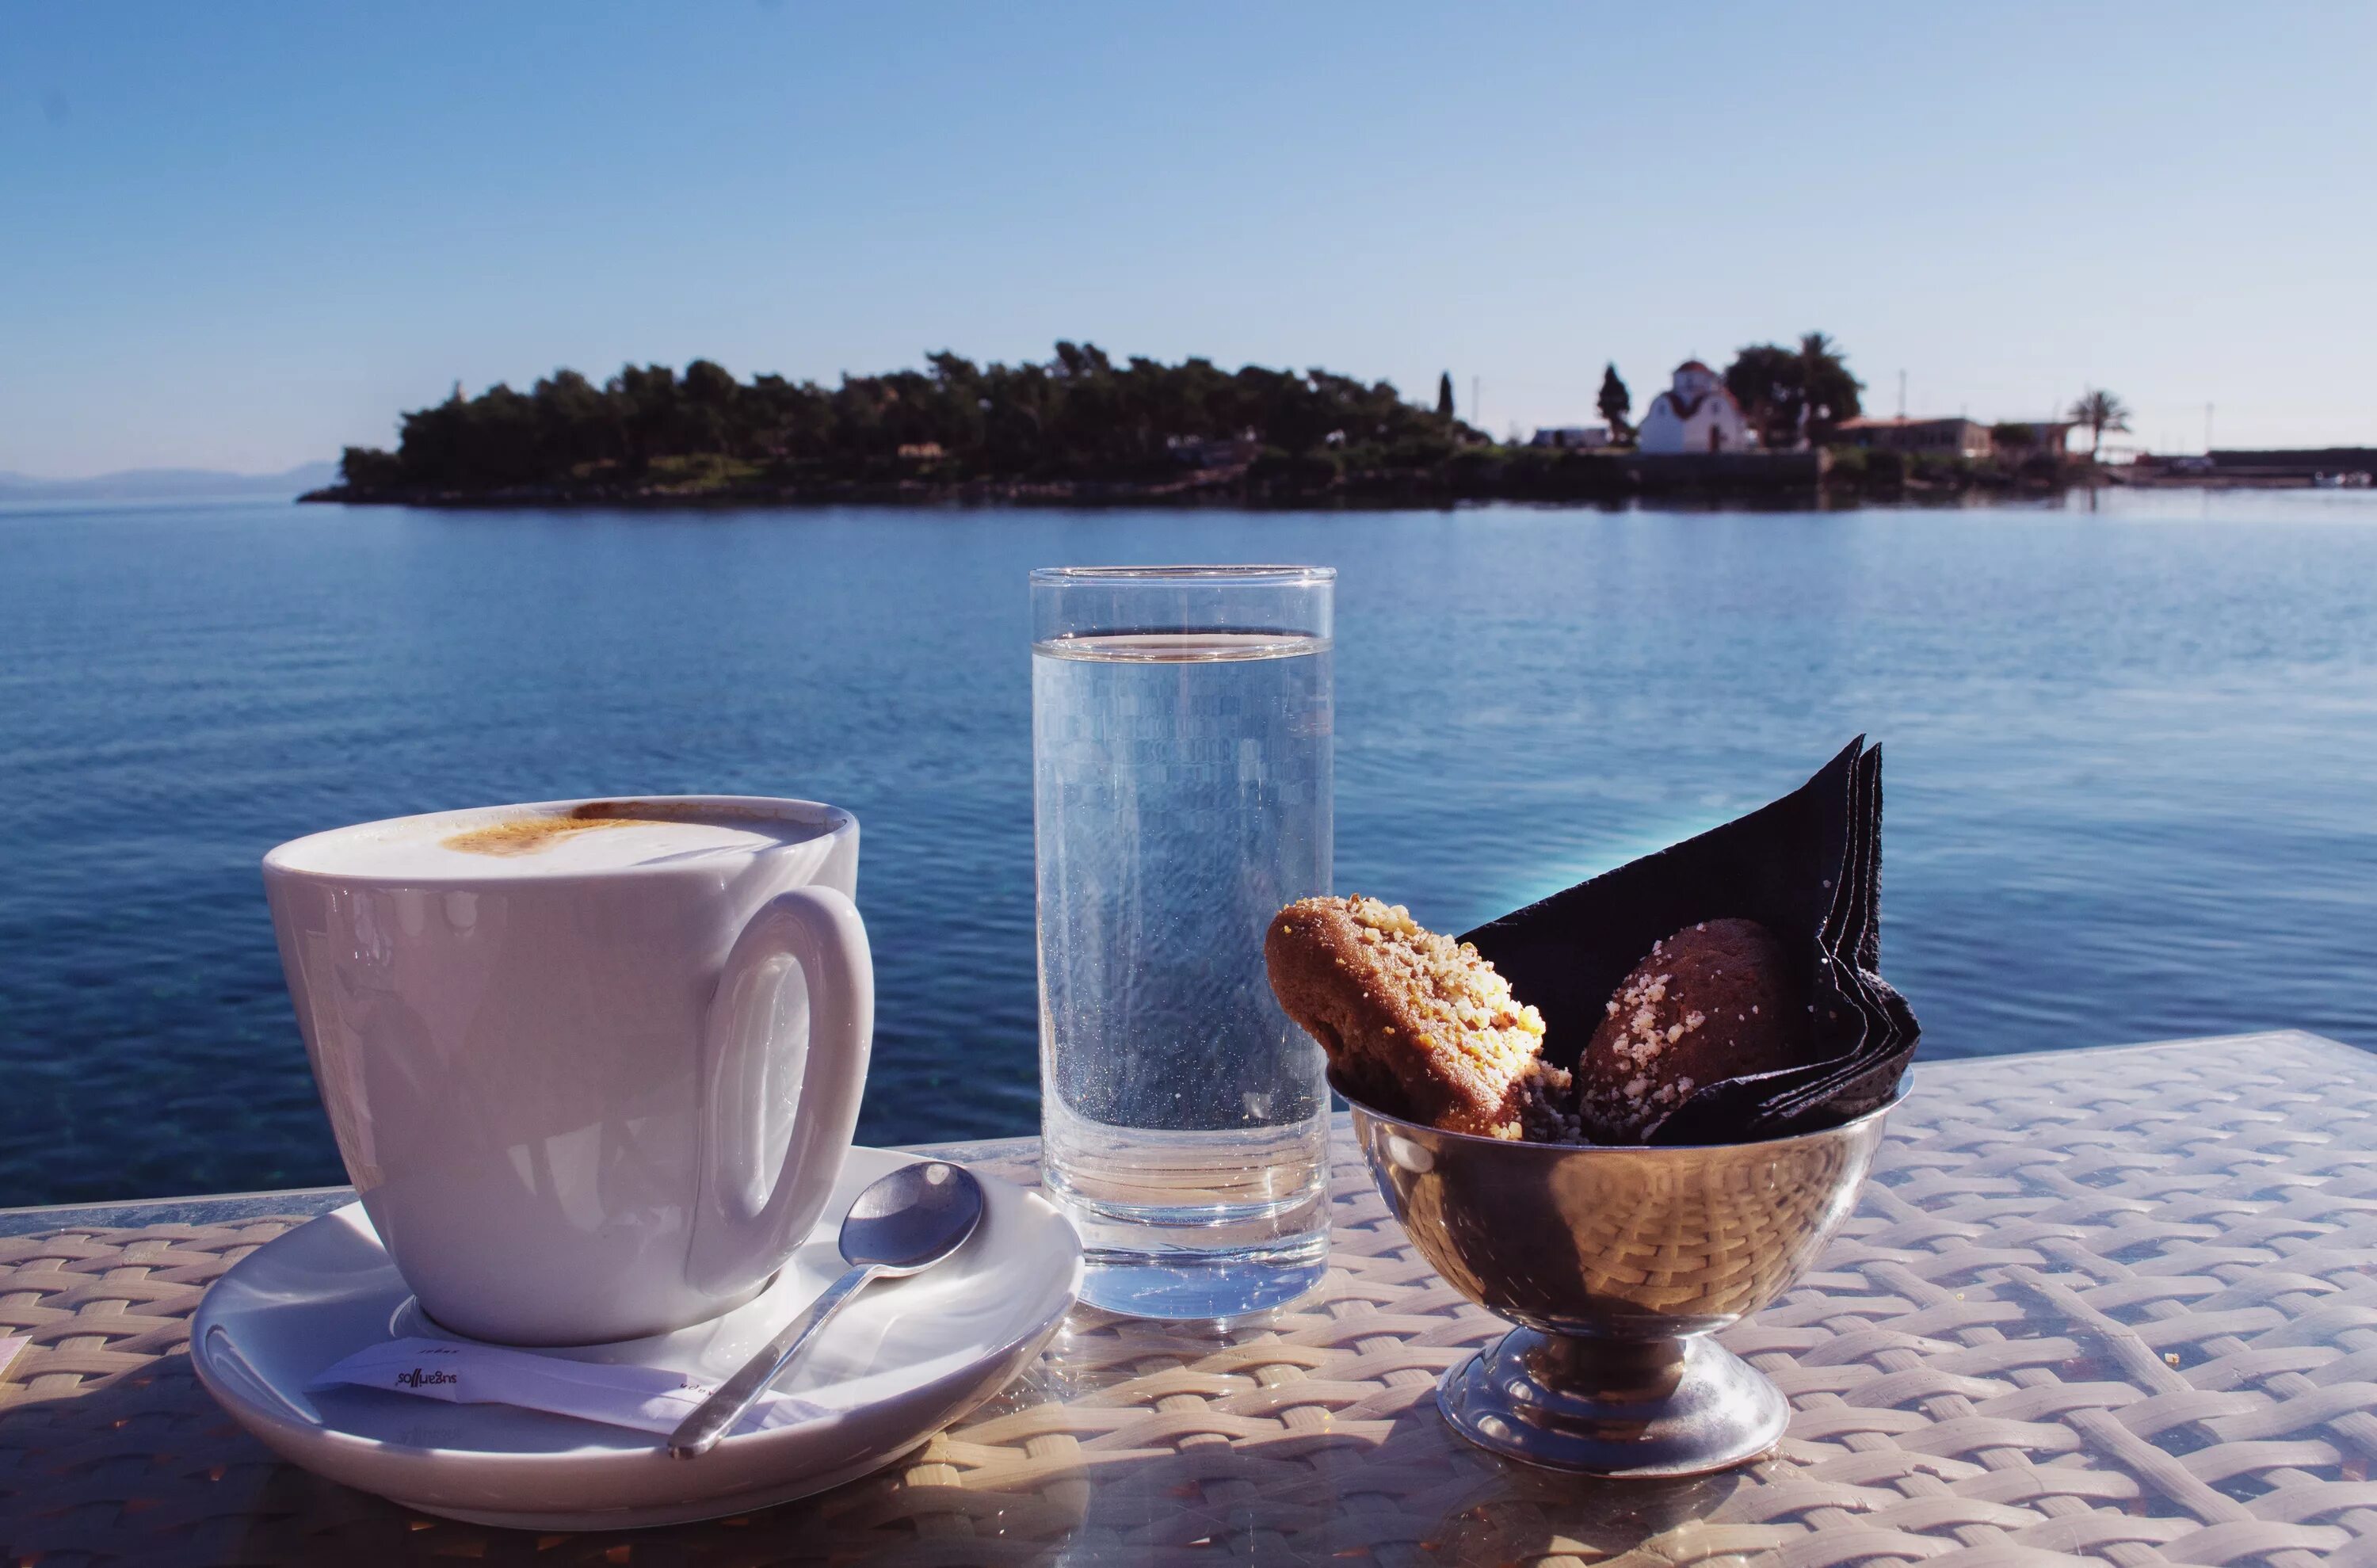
(1414, 1493)
(148, 1469)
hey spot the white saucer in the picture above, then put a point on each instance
(903, 1360)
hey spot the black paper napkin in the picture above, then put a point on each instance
(1809, 868)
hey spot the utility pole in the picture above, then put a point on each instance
(1476, 408)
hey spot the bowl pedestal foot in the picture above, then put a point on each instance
(1621, 1407)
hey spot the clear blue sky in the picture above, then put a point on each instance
(242, 236)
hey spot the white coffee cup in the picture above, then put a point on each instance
(594, 1066)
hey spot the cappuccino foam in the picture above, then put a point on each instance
(602, 835)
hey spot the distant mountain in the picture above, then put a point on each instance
(169, 485)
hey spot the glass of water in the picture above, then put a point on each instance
(1181, 721)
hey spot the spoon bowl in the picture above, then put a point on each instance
(902, 1224)
(911, 1219)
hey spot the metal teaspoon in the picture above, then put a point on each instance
(902, 1224)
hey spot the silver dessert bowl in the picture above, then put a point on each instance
(1618, 1264)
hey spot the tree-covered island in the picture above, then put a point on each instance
(1079, 427)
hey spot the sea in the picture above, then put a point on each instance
(2130, 743)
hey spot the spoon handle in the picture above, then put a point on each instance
(716, 1416)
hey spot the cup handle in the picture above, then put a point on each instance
(751, 1218)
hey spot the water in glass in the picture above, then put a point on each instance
(1183, 796)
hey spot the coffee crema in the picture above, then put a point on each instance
(526, 835)
(592, 836)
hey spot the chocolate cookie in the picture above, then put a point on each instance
(1414, 1024)
(1715, 1001)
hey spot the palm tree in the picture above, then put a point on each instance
(1828, 393)
(2100, 411)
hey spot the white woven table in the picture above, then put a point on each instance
(2107, 1305)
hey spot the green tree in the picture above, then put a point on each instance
(1764, 380)
(1444, 395)
(1078, 414)
(1794, 394)
(573, 421)
(2100, 411)
(369, 468)
(1616, 403)
(647, 398)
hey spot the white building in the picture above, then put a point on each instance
(1574, 438)
(1696, 414)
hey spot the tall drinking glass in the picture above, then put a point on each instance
(1181, 724)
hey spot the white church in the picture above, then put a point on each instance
(1696, 414)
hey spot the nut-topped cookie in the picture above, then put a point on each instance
(1414, 1024)
(1712, 1001)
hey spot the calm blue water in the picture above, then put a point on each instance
(2129, 754)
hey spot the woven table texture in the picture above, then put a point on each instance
(2115, 1306)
